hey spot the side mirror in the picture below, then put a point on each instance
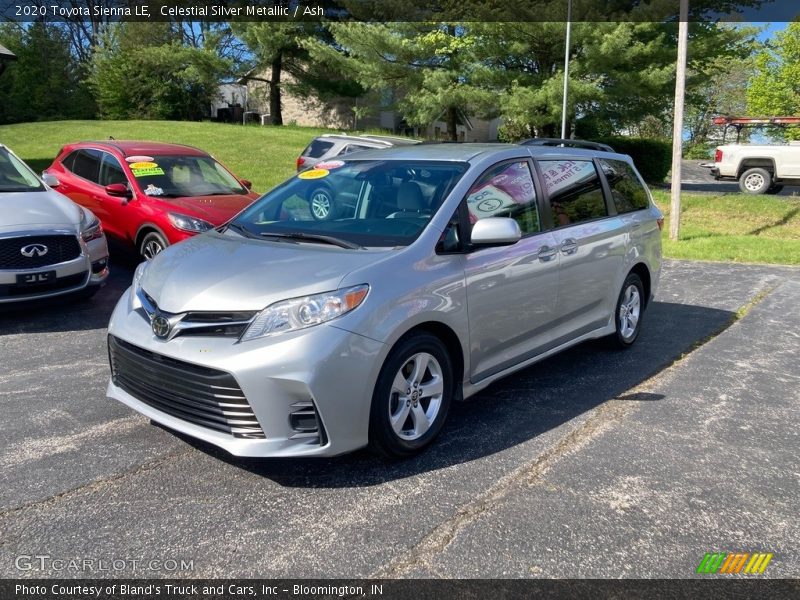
(495, 231)
(50, 180)
(247, 184)
(119, 190)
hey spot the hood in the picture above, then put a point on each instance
(214, 209)
(226, 272)
(37, 210)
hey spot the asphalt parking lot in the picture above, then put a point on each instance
(594, 463)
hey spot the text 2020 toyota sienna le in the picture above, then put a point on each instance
(444, 268)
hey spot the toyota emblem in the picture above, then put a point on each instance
(160, 326)
(32, 250)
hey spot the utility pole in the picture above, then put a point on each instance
(677, 126)
(566, 74)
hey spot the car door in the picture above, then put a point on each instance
(591, 242)
(113, 211)
(511, 290)
(78, 182)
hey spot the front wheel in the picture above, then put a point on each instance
(755, 181)
(628, 312)
(152, 244)
(411, 397)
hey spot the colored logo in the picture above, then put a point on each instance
(735, 562)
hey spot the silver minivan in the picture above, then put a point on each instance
(454, 265)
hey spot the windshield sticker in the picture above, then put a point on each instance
(330, 165)
(135, 159)
(313, 174)
(152, 190)
(141, 165)
(146, 169)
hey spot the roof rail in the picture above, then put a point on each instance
(567, 143)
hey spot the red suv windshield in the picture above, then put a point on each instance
(183, 176)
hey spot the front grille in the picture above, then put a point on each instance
(60, 248)
(62, 283)
(200, 395)
(208, 323)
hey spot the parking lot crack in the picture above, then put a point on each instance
(96, 485)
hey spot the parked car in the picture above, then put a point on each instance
(148, 194)
(759, 169)
(324, 149)
(49, 246)
(456, 265)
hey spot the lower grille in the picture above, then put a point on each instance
(200, 395)
(62, 283)
(57, 249)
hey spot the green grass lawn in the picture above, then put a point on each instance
(727, 227)
(264, 155)
(735, 227)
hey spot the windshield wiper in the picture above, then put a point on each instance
(241, 229)
(312, 237)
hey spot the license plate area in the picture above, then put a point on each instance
(32, 279)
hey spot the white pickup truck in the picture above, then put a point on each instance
(758, 169)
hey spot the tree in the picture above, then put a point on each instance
(775, 88)
(140, 71)
(432, 68)
(45, 82)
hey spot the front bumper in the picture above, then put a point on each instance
(333, 368)
(90, 269)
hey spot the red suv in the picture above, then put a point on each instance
(150, 194)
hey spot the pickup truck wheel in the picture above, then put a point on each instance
(755, 181)
(775, 189)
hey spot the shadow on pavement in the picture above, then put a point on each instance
(518, 408)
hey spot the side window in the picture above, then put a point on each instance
(626, 188)
(111, 171)
(69, 160)
(506, 190)
(353, 148)
(576, 194)
(87, 164)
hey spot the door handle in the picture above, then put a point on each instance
(569, 246)
(546, 253)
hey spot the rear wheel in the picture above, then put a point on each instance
(411, 397)
(152, 244)
(629, 311)
(755, 181)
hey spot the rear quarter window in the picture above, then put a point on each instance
(317, 148)
(627, 190)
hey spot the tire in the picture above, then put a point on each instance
(628, 312)
(153, 243)
(755, 181)
(775, 189)
(320, 203)
(406, 416)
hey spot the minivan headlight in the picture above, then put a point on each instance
(187, 223)
(299, 313)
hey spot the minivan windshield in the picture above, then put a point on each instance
(15, 176)
(373, 203)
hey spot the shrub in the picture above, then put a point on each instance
(698, 151)
(653, 158)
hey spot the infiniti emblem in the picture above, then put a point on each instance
(32, 250)
(160, 326)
